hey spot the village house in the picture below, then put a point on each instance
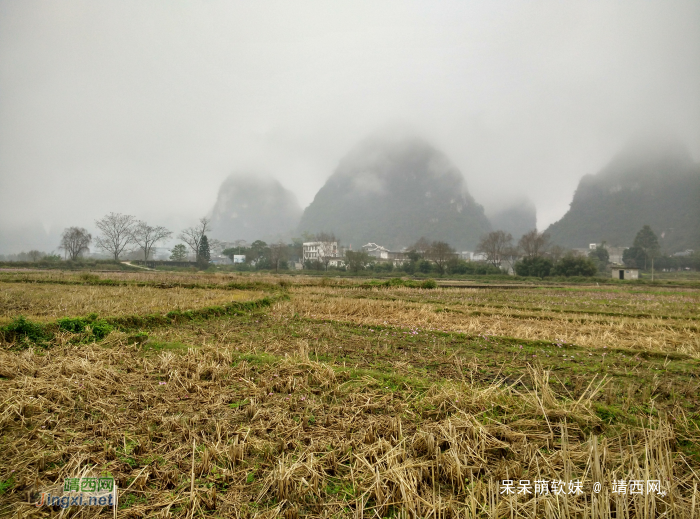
(383, 254)
(336, 262)
(625, 273)
(317, 250)
(323, 251)
(376, 251)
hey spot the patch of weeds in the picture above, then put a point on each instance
(428, 283)
(255, 358)
(394, 282)
(131, 500)
(689, 448)
(342, 490)
(89, 278)
(126, 457)
(388, 381)
(94, 328)
(158, 346)
(241, 403)
(6, 484)
(608, 414)
(25, 332)
(138, 338)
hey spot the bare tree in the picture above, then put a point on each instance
(556, 252)
(192, 236)
(75, 241)
(327, 247)
(35, 255)
(146, 237)
(534, 244)
(441, 253)
(278, 252)
(117, 233)
(216, 247)
(495, 245)
(510, 256)
(421, 246)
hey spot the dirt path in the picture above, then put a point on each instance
(137, 266)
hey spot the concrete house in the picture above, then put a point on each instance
(317, 250)
(383, 254)
(376, 251)
(625, 273)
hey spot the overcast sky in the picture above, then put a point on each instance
(145, 107)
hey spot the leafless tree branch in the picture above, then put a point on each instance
(192, 236)
(116, 233)
(146, 237)
(75, 241)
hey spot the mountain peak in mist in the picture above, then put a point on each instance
(517, 217)
(649, 182)
(648, 153)
(393, 189)
(254, 206)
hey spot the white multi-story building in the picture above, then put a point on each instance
(318, 250)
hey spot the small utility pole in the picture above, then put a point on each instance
(652, 269)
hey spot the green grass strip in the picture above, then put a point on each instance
(96, 281)
(25, 333)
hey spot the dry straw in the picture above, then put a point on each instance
(236, 425)
(294, 437)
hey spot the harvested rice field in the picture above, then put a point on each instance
(45, 301)
(315, 398)
(593, 317)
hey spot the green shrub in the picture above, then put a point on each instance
(428, 283)
(425, 266)
(89, 278)
(25, 331)
(571, 265)
(99, 328)
(537, 267)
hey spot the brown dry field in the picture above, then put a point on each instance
(668, 322)
(45, 302)
(367, 402)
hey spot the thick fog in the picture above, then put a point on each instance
(146, 107)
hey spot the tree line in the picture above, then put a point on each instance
(122, 233)
(532, 255)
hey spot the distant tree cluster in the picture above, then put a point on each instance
(260, 255)
(643, 250)
(33, 256)
(533, 255)
(601, 257)
(424, 257)
(123, 234)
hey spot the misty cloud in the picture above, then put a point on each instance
(254, 206)
(146, 108)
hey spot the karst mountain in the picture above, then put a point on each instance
(393, 191)
(653, 181)
(253, 206)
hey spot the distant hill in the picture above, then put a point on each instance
(654, 183)
(517, 218)
(392, 191)
(253, 207)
